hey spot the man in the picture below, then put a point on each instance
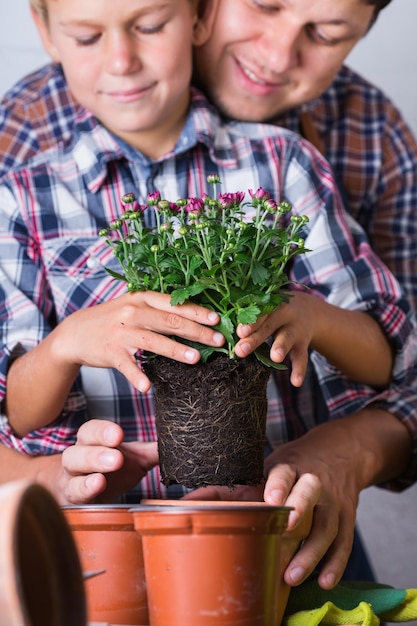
(281, 75)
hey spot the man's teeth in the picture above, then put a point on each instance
(253, 77)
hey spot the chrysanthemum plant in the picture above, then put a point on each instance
(222, 252)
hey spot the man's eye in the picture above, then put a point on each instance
(319, 37)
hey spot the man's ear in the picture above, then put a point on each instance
(206, 12)
(43, 31)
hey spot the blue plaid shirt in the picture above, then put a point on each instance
(52, 262)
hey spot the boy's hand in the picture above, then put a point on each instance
(100, 467)
(291, 326)
(109, 335)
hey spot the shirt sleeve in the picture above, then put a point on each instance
(391, 221)
(36, 114)
(341, 268)
(18, 141)
(26, 317)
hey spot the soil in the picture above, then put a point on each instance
(210, 420)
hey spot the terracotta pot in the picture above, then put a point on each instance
(107, 540)
(287, 546)
(211, 565)
(41, 582)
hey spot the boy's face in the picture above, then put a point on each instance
(128, 62)
(267, 56)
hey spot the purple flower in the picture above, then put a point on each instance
(259, 194)
(228, 200)
(153, 198)
(129, 202)
(194, 206)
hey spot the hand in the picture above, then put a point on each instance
(110, 334)
(291, 325)
(308, 321)
(333, 517)
(242, 493)
(327, 468)
(100, 467)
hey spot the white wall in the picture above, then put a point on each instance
(387, 56)
(20, 48)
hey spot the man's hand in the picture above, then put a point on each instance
(328, 467)
(100, 467)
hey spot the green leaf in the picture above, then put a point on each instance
(179, 296)
(248, 315)
(262, 354)
(259, 274)
(226, 328)
(115, 275)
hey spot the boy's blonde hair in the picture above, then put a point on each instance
(40, 7)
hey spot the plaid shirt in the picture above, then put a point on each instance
(52, 263)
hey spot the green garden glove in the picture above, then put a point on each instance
(363, 603)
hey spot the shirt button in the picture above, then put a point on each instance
(92, 262)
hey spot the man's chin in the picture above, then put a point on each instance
(241, 112)
(235, 109)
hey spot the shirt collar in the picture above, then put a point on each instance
(94, 148)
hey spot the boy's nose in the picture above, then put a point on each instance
(121, 55)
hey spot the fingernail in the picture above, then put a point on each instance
(276, 496)
(213, 317)
(107, 459)
(110, 436)
(190, 355)
(244, 348)
(278, 355)
(296, 574)
(218, 339)
(329, 580)
(245, 329)
(293, 519)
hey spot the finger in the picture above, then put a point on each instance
(188, 310)
(244, 330)
(248, 344)
(280, 481)
(80, 460)
(240, 493)
(322, 535)
(299, 363)
(338, 554)
(171, 323)
(303, 498)
(146, 453)
(100, 432)
(84, 489)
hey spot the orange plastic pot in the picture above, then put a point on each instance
(287, 546)
(211, 565)
(107, 540)
(41, 582)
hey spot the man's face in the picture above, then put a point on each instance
(267, 56)
(128, 62)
